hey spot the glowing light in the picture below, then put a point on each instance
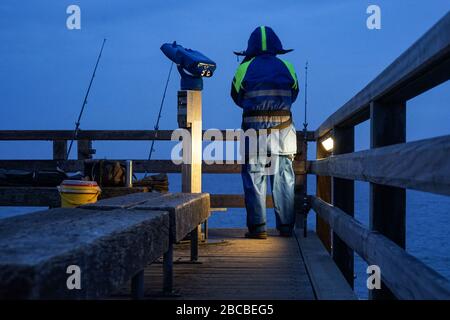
(328, 144)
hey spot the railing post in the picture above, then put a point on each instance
(85, 150)
(344, 199)
(129, 174)
(323, 191)
(387, 204)
(59, 149)
(300, 183)
(59, 153)
(191, 172)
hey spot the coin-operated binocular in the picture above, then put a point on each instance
(192, 65)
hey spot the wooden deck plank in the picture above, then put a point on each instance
(326, 278)
(234, 268)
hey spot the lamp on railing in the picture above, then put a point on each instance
(328, 144)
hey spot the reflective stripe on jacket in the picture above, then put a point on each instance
(264, 83)
(265, 88)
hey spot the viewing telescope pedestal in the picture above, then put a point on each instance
(190, 118)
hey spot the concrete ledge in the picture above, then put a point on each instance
(187, 211)
(108, 246)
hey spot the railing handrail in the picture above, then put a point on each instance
(421, 165)
(398, 268)
(113, 135)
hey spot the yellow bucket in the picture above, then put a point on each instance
(75, 193)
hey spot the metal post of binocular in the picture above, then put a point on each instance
(193, 66)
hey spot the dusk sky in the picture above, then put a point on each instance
(45, 68)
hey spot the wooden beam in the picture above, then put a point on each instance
(49, 196)
(423, 66)
(387, 211)
(406, 276)
(85, 135)
(105, 135)
(29, 197)
(32, 165)
(139, 166)
(344, 198)
(154, 166)
(221, 168)
(111, 192)
(421, 165)
(323, 191)
(233, 201)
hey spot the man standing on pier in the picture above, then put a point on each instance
(265, 87)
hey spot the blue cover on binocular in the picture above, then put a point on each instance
(191, 64)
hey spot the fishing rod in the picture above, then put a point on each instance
(156, 127)
(305, 122)
(77, 124)
(305, 141)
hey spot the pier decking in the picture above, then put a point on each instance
(231, 267)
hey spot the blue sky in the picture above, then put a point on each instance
(45, 68)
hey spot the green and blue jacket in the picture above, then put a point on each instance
(265, 86)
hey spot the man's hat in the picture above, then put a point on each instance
(263, 40)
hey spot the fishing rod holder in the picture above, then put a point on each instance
(192, 65)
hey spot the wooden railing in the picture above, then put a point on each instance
(49, 196)
(390, 166)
